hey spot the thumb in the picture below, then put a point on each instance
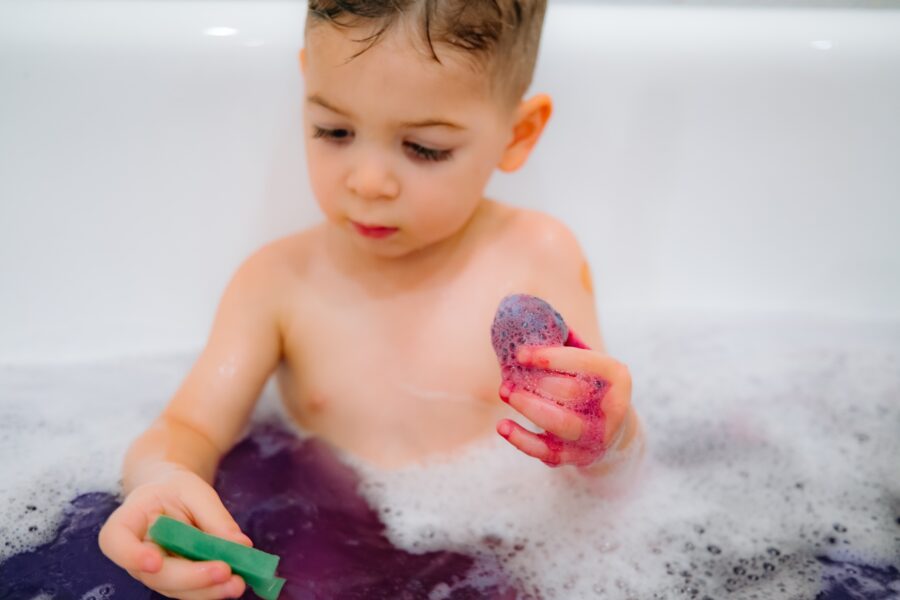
(212, 517)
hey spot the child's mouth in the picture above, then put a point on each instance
(373, 231)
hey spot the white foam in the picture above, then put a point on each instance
(64, 431)
(766, 438)
(104, 591)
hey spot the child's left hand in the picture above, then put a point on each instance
(580, 397)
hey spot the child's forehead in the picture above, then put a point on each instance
(335, 53)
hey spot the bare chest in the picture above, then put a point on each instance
(398, 377)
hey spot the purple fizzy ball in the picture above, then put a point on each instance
(523, 320)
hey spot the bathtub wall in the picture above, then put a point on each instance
(710, 159)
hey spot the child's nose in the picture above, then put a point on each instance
(372, 179)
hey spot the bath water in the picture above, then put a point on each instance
(772, 471)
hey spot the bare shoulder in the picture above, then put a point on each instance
(557, 267)
(540, 239)
(547, 236)
(279, 263)
(267, 280)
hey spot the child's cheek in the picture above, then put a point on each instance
(437, 212)
(325, 179)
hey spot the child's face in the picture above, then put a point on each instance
(370, 165)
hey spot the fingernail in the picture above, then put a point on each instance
(149, 562)
(505, 390)
(218, 573)
(504, 429)
(237, 536)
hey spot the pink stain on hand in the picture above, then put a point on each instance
(523, 320)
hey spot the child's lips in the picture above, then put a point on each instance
(373, 231)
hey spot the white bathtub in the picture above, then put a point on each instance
(734, 159)
(731, 172)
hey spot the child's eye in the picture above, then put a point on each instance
(330, 134)
(428, 153)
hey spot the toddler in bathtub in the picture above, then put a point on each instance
(377, 320)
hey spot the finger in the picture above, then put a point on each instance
(579, 457)
(628, 430)
(615, 406)
(121, 538)
(180, 575)
(210, 515)
(568, 359)
(524, 440)
(563, 388)
(233, 588)
(547, 415)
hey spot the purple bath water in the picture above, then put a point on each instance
(294, 498)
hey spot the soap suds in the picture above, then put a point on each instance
(771, 467)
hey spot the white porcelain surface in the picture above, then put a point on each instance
(711, 159)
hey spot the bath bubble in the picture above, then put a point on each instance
(101, 592)
(68, 427)
(764, 426)
(752, 449)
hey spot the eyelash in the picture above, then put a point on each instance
(421, 152)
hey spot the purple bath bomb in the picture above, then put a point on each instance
(523, 320)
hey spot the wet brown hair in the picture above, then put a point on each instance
(501, 37)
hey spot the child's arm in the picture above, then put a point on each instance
(213, 404)
(170, 467)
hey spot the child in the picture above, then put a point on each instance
(377, 321)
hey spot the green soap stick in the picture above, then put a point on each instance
(267, 589)
(255, 566)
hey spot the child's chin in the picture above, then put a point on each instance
(384, 248)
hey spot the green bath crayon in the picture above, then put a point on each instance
(255, 566)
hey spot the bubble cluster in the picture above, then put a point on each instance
(771, 469)
(103, 591)
(64, 430)
(771, 473)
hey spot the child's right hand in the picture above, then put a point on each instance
(183, 495)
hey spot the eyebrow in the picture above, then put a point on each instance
(316, 99)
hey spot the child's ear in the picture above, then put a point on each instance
(303, 60)
(531, 117)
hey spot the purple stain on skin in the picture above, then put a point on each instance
(523, 320)
(294, 498)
